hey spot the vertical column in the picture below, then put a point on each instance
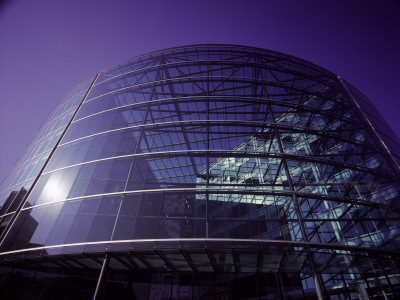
(102, 277)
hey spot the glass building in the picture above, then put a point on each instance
(206, 172)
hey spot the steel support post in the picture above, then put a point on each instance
(102, 277)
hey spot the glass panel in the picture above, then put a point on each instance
(103, 222)
(126, 217)
(83, 221)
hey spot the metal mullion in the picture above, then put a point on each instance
(349, 207)
(334, 171)
(277, 172)
(234, 88)
(393, 239)
(18, 210)
(390, 284)
(172, 92)
(277, 80)
(144, 73)
(256, 191)
(18, 168)
(344, 282)
(278, 67)
(371, 127)
(256, 75)
(249, 81)
(353, 249)
(191, 74)
(224, 78)
(137, 148)
(311, 115)
(130, 170)
(354, 259)
(144, 138)
(208, 149)
(143, 67)
(239, 55)
(316, 276)
(254, 100)
(49, 133)
(311, 209)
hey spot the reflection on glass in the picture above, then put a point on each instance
(219, 143)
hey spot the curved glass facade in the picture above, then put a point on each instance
(206, 172)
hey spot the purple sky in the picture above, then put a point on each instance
(49, 46)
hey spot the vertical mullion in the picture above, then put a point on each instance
(21, 205)
(208, 145)
(316, 277)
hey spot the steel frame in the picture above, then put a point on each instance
(229, 128)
